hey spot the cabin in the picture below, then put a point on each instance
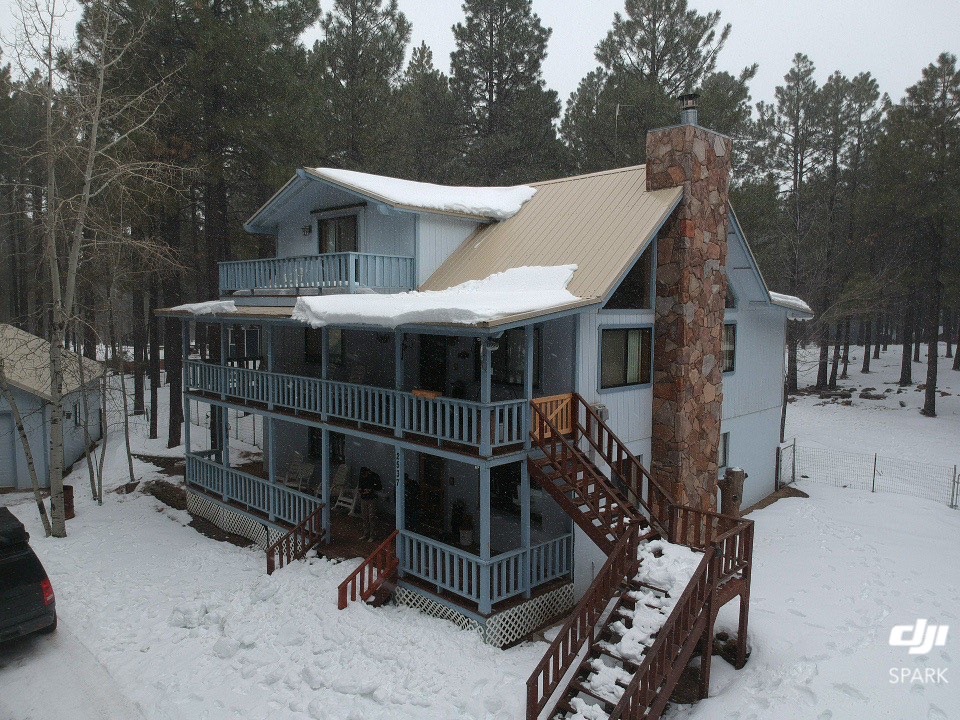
(26, 365)
(535, 373)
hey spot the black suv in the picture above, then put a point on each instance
(26, 596)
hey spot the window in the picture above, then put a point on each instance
(636, 289)
(730, 303)
(76, 415)
(338, 234)
(729, 347)
(510, 357)
(313, 345)
(625, 357)
(723, 453)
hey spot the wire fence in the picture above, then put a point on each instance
(875, 473)
(244, 426)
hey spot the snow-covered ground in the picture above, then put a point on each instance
(881, 426)
(157, 616)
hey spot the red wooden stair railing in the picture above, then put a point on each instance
(372, 574)
(297, 543)
(615, 511)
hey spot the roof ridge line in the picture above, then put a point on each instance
(584, 176)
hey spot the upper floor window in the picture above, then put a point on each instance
(626, 356)
(731, 300)
(509, 360)
(338, 234)
(723, 452)
(729, 347)
(313, 345)
(635, 291)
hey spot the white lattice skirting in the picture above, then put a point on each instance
(502, 628)
(232, 521)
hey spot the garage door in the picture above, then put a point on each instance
(8, 467)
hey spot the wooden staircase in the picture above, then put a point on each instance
(375, 579)
(297, 543)
(583, 674)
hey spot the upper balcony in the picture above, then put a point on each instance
(345, 272)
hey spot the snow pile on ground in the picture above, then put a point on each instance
(518, 290)
(498, 203)
(832, 575)
(208, 308)
(891, 425)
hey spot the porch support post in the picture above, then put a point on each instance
(527, 568)
(324, 373)
(486, 381)
(270, 434)
(399, 407)
(185, 344)
(528, 337)
(223, 361)
(485, 603)
(400, 500)
(325, 483)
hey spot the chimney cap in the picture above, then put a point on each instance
(689, 104)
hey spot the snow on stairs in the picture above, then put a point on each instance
(632, 627)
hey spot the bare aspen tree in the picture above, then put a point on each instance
(28, 453)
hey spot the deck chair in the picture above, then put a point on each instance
(299, 473)
(347, 496)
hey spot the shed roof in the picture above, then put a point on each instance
(600, 222)
(26, 362)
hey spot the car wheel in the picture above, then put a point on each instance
(52, 627)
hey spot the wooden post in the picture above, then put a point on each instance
(528, 336)
(398, 404)
(324, 372)
(527, 568)
(485, 599)
(732, 488)
(873, 485)
(486, 381)
(185, 340)
(325, 483)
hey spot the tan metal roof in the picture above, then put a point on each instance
(600, 223)
(26, 363)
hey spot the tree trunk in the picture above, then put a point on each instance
(948, 332)
(153, 328)
(792, 356)
(835, 361)
(139, 348)
(173, 354)
(867, 340)
(123, 384)
(846, 350)
(906, 369)
(824, 362)
(884, 322)
(933, 320)
(87, 439)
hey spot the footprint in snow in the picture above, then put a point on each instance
(850, 691)
(935, 713)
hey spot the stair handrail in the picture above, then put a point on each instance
(621, 564)
(651, 685)
(298, 542)
(371, 574)
(572, 452)
(730, 536)
(659, 499)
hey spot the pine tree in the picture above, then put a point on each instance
(497, 80)
(359, 66)
(657, 51)
(427, 129)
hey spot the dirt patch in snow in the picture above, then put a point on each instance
(170, 466)
(784, 492)
(175, 496)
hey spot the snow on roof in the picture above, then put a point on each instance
(799, 309)
(498, 203)
(512, 292)
(26, 363)
(210, 307)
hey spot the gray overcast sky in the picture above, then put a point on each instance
(893, 39)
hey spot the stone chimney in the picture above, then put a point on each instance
(691, 294)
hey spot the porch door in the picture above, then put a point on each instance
(432, 497)
(338, 234)
(433, 363)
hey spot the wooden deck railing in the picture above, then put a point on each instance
(731, 537)
(346, 271)
(296, 543)
(583, 624)
(558, 410)
(372, 573)
(442, 419)
(642, 490)
(277, 502)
